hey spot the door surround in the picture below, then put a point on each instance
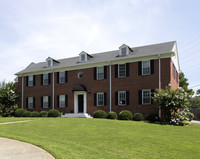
(76, 93)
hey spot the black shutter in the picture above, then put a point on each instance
(66, 100)
(66, 76)
(105, 72)
(139, 68)
(33, 102)
(58, 101)
(27, 81)
(41, 79)
(152, 66)
(58, 73)
(95, 99)
(116, 98)
(49, 78)
(95, 73)
(49, 102)
(41, 102)
(116, 71)
(127, 97)
(26, 102)
(105, 98)
(140, 96)
(33, 80)
(127, 69)
(152, 95)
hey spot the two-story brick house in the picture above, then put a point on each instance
(124, 79)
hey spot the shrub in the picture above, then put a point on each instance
(100, 114)
(19, 112)
(125, 115)
(138, 117)
(190, 115)
(112, 115)
(53, 113)
(35, 114)
(152, 117)
(26, 114)
(43, 114)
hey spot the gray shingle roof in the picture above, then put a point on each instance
(140, 51)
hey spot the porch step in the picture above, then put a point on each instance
(78, 115)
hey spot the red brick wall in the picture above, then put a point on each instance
(133, 83)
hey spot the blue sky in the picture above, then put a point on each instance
(32, 30)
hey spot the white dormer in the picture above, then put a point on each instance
(123, 50)
(83, 56)
(49, 62)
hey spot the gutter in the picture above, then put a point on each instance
(159, 81)
(22, 91)
(110, 84)
(53, 90)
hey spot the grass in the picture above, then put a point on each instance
(107, 139)
(12, 119)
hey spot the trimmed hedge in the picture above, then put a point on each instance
(152, 117)
(35, 114)
(100, 114)
(26, 114)
(125, 115)
(53, 113)
(43, 114)
(19, 112)
(112, 115)
(138, 117)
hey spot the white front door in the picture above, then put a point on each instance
(80, 102)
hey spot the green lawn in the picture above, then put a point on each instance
(6, 119)
(107, 139)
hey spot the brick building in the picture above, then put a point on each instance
(124, 79)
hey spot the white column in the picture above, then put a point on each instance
(110, 87)
(53, 91)
(159, 81)
(22, 91)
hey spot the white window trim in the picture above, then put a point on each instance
(142, 96)
(29, 103)
(30, 81)
(124, 73)
(60, 101)
(119, 99)
(149, 67)
(98, 72)
(102, 93)
(60, 77)
(44, 102)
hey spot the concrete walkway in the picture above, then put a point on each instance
(195, 121)
(13, 149)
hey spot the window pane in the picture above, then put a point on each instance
(123, 51)
(145, 67)
(146, 96)
(100, 72)
(122, 98)
(83, 57)
(30, 102)
(45, 79)
(49, 63)
(62, 77)
(45, 101)
(30, 81)
(62, 101)
(122, 70)
(100, 99)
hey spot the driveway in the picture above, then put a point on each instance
(13, 149)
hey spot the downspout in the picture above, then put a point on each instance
(159, 81)
(110, 87)
(22, 91)
(53, 90)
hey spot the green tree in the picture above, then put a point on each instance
(8, 98)
(183, 83)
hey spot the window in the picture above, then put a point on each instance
(45, 101)
(62, 77)
(62, 101)
(146, 96)
(30, 81)
(30, 102)
(122, 70)
(80, 74)
(174, 71)
(83, 57)
(100, 72)
(100, 99)
(45, 79)
(122, 98)
(146, 68)
(123, 51)
(49, 63)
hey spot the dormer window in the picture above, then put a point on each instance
(124, 50)
(83, 58)
(49, 62)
